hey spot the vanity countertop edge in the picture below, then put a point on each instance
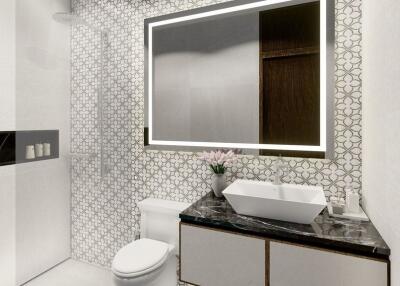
(336, 234)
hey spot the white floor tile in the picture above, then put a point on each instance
(74, 273)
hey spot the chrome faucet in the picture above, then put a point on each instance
(278, 170)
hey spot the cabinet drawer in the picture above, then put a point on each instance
(218, 258)
(302, 266)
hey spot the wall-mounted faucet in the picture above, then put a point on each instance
(278, 170)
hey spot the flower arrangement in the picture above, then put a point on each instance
(218, 160)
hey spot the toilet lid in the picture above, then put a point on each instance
(139, 256)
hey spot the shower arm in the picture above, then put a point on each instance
(100, 100)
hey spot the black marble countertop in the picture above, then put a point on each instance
(345, 235)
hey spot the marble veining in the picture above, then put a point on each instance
(334, 233)
(7, 147)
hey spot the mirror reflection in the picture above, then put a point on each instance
(250, 77)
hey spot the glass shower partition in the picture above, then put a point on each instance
(60, 127)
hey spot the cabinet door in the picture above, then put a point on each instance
(301, 266)
(217, 258)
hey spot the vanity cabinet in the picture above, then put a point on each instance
(300, 265)
(214, 257)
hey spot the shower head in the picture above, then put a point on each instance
(68, 18)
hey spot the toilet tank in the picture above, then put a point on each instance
(160, 220)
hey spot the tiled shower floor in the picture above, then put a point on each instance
(73, 273)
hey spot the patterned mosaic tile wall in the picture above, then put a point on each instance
(104, 213)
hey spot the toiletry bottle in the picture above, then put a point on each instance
(352, 200)
(46, 149)
(30, 152)
(39, 150)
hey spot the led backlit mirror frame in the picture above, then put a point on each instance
(326, 72)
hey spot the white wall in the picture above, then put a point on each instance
(381, 119)
(7, 65)
(34, 94)
(7, 122)
(7, 224)
(42, 102)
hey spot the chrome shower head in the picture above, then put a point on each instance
(68, 19)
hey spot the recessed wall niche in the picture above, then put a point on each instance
(18, 147)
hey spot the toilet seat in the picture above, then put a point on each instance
(140, 257)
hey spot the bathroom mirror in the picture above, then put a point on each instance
(255, 76)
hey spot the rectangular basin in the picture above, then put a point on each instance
(293, 203)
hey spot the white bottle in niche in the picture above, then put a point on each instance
(30, 152)
(39, 150)
(46, 149)
(352, 200)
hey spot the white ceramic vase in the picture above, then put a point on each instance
(218, 184)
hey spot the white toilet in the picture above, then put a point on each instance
(152, 259)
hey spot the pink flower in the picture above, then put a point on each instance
(218, 160)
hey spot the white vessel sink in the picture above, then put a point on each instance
(294, 203)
